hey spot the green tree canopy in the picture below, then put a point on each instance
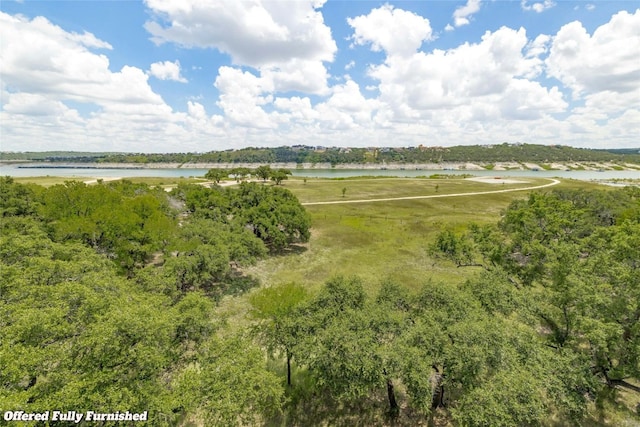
(263, 172)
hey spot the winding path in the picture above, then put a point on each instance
(434, 196)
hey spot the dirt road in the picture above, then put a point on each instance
(434, 196)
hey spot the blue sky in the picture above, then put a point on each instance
(188, 75)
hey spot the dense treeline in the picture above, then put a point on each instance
(441, 347)
(568, 264)
(52, 155)
(109, 291)
(304, 154)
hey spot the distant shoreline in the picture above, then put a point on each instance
(459, 166)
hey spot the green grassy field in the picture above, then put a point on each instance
(389, 239)
(47, 181)
(380, 240)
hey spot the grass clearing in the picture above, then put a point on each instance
(48, 181)
(386, 239)
(324, 190)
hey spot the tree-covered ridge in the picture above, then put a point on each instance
(50, 155)
(505, 152)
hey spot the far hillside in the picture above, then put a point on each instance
(534, 153)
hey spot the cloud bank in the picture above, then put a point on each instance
(60, 91)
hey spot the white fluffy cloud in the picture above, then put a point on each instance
(298, 109)
(346, 107)
(395, 31)
(167, 70)
(462, 14)
(489, 74)
(242, 96)
(249, 101)
(58, 87)
(264, 32)
(297, 75)
(603, 72)
(288, 42)
(537, 7)
(30, 104)
(608, 60)
(49, 75)
(39, 57)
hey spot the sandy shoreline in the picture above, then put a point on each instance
(460, 166)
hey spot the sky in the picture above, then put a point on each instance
(197, 76)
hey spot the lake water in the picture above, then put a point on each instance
(15, 171)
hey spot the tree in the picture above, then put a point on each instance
(75, 335)
(611, 302)
(335, 341)
(509, 399)
(273, 214)
(199, 201)
(389, 320)
(216, 175)
(78, 334)
(273, 307)
(280, 175)
(350, 344)
(229, 384)
(193, 315)
(263, 172)
(126, 221)
(199, 267)
(17, 199)
(568, 237)
(454, 247)
(240, 173)
(553, 247)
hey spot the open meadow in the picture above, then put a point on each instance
(387, 239)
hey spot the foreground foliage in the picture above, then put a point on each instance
(108, 294)
(108, 302)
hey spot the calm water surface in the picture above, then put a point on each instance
(13, 170)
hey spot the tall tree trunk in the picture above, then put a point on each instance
(288, 368)
(437, 400)
(438, 394)
(394, 409)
